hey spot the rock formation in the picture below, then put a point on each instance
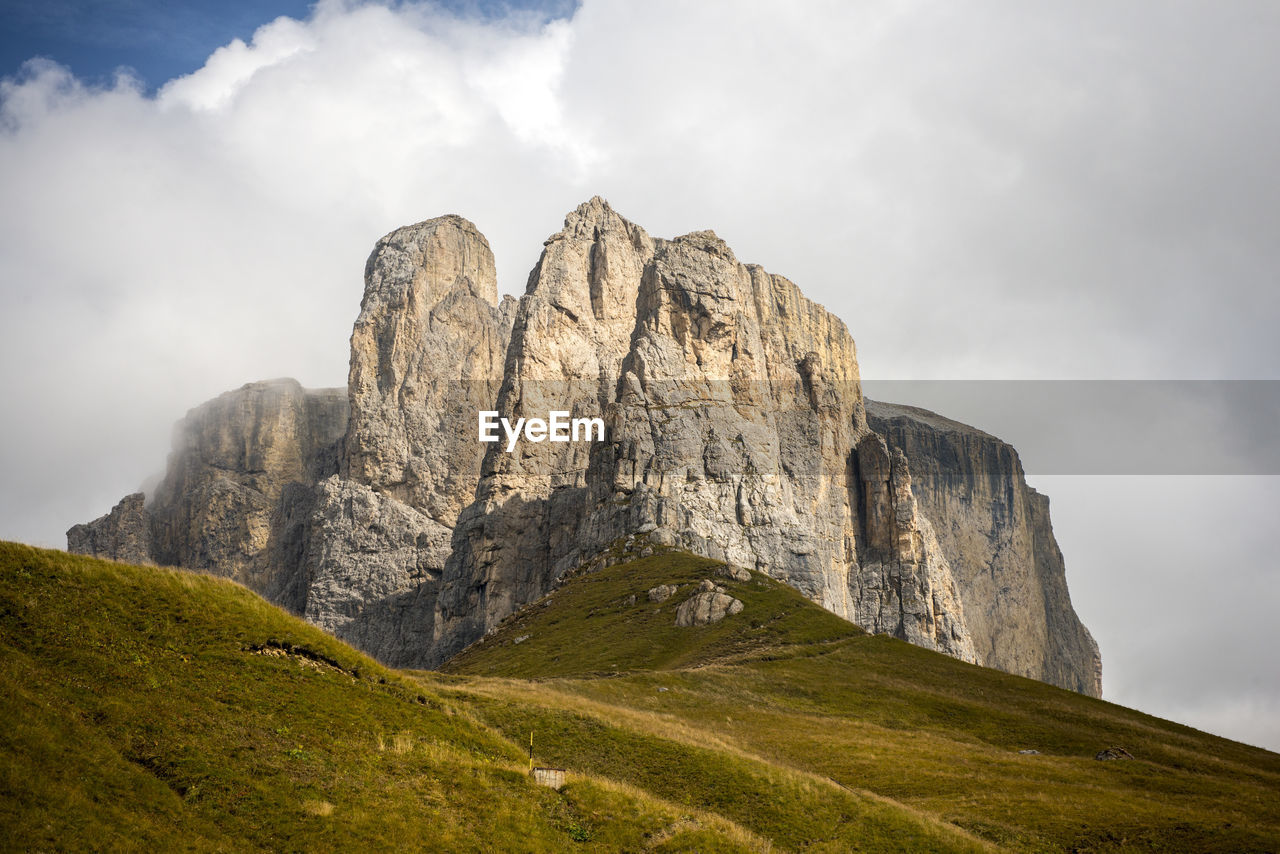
(904, 582)
(995, 530)
(236, 484)
(736, 429)
(710, 604)
(426, 355)
(662, 592)
(734, 410)
(429, 344)
(570, 335)
(124, 534)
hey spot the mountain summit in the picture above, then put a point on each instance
(735, 429)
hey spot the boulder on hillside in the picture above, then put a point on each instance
(662, 592)
(1113, 753)
(709, 605)
(736, 573)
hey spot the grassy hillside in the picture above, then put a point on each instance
(603, 622)
(155, 708)
(779, 687)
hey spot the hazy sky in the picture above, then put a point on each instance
(982, 191)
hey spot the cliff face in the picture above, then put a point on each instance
(426, 355)
(429, 343)
(736, 429)
(124, 534)
(737, 412)
(569, 337)
(733, 407)
(995, 529)
(226, 496)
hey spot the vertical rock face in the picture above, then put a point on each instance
(996, 533)
(1071, 658)
(222, 503)
(904, 584)
(124, 534)
(428, 345)
(374, 568)
(733, 405)
(737, 412)
(426, 357)
(570, 335)
(340, 504)
(736, 428)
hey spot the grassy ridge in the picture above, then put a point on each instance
(157, 708)
(603, 622)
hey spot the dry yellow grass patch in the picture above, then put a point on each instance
(670, 727)
(317, 808)
(688, 818)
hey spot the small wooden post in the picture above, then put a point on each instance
(530, 751)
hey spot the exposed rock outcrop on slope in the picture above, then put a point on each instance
(710, 604)
(124, 534)
(736, 429)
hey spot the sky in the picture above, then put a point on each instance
(1054, 221)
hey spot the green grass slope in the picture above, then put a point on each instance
(155, 708)
(163, 710)
(778, 689)
(603, 622)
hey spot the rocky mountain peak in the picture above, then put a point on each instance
(427, 261)
(429, 342)
(733, 424)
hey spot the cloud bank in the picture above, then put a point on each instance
(990, 191)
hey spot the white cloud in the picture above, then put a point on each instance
(232, 67)
(157, 251)
(993, 190)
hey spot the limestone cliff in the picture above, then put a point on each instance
(996, 533)
(226, 495)
(339, 504)
(429, 344)
(734, 409)
(426, 354)
(570, 335)
(124, 534)
(904, 584)
(736, 428)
